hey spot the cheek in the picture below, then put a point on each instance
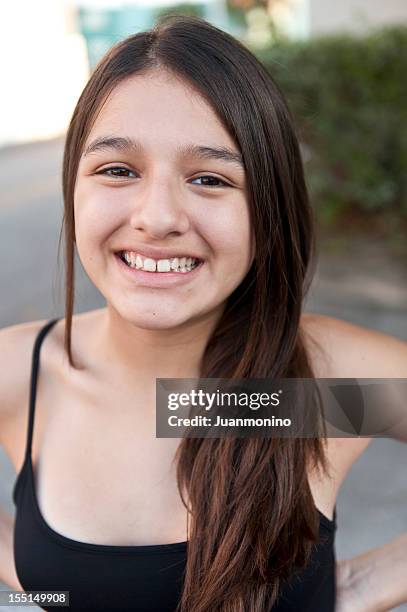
(227, 231)
(95, 220)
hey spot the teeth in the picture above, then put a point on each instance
(149, 265)
(176, 264)
(163, 265)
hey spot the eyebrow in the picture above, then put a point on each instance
(127, 145)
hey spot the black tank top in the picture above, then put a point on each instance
(138, 578)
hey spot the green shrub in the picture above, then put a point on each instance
(348, 97)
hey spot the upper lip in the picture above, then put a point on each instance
(157, 254)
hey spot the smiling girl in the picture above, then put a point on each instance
(186, 203)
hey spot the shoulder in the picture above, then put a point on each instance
(339, 349)
(16, 353)
(16, 350)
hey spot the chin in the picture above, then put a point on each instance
(155, 324)
(158, 318)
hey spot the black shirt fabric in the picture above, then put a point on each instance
(139, 578)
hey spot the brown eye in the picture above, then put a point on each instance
(211, 182)
(117, 172)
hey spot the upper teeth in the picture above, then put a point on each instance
(176, 264)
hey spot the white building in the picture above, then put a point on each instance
(43, 66)
(307, 18)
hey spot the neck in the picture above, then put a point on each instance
(142, 355)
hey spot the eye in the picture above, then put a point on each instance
(113, 169)
(212, 180)
(120, 172)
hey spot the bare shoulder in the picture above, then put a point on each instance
(339, 349)
(16, 345)
(16, 350)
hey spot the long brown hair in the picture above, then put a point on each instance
(252, 519)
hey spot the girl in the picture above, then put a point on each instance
(185, 201)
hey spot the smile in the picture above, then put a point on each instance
(144, 278)
(181, 265)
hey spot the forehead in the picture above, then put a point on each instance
(157, 107)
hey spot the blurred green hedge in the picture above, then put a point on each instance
(348, 95)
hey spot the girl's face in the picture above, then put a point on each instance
(166, 184)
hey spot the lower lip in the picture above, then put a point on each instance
(157, 279)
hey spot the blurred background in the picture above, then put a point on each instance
(342, 66)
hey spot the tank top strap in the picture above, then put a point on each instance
(33, 383)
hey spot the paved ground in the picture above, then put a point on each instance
(358, 281)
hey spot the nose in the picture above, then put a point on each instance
(159, 208)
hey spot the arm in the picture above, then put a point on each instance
(7, 567)
(15, 360)
(343, 350)
(375, 581)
